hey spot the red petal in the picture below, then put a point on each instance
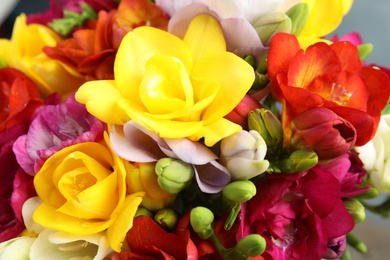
(146, 235)
(348, 55)
(283, 48)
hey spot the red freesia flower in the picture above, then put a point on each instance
(328, 76)
(298, 214)
(16, 186)
(91, 51)
(19, 97)
(324, 132)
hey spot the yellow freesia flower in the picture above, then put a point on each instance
(25, 52)
(325, 16)
(176, 87)
(83, 189)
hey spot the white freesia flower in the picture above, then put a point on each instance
(376, 156)
(243, 154)
(17, 248)
(52, 244)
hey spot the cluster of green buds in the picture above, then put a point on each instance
(253, 245)
(173, 175)
(71, 19)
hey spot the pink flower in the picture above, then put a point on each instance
(349, 170)
(16, 186)
(56, 126)
(298, 214)
(352, 37)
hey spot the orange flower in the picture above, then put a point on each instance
(92, 49)
(328, 76)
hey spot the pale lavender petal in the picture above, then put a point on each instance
(240, 34)
(211, 177)
(178, 23)
(134, 145)
(191, 152)
(22, 156)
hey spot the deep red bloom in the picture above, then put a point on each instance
(16, 186)
(328, 76)
(19, 97)
(298, 214)
(91, 51)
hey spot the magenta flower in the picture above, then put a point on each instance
(349, 170)
(298, 214)
(16, 186)
(53, 128)
(138, 144)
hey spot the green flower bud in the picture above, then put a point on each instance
(239, 191)
(166, 218)
(251, 245)
(299, 161)
(201, 220)
(251, 60)
(356, 209)
(143, 212)
(365, 50)
(298, 15)
(270, 24)
(269, 127)
(173, 175)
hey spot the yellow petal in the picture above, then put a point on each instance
(86, 205)
(116, 233)
(45, 214)
(234, 76)
(165, 86)
(136, 48)
(100, 98)
(347, 4)
(216, 131)
(325, 17)
(204, 36)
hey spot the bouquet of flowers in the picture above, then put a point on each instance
(189, 129)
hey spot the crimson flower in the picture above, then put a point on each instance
(298, 214)
(91, 50)
(327, 76)
(16, 186)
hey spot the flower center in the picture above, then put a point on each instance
(337, 93)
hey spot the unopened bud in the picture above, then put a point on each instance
(269, 127)
(251, 245)
(356, 243)
(298, 15)
(143, 212)
(270, 24)
(166, 218)
(239, 191)
(201, 220)
(173, 175)
(356, 209)
(299, 161)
